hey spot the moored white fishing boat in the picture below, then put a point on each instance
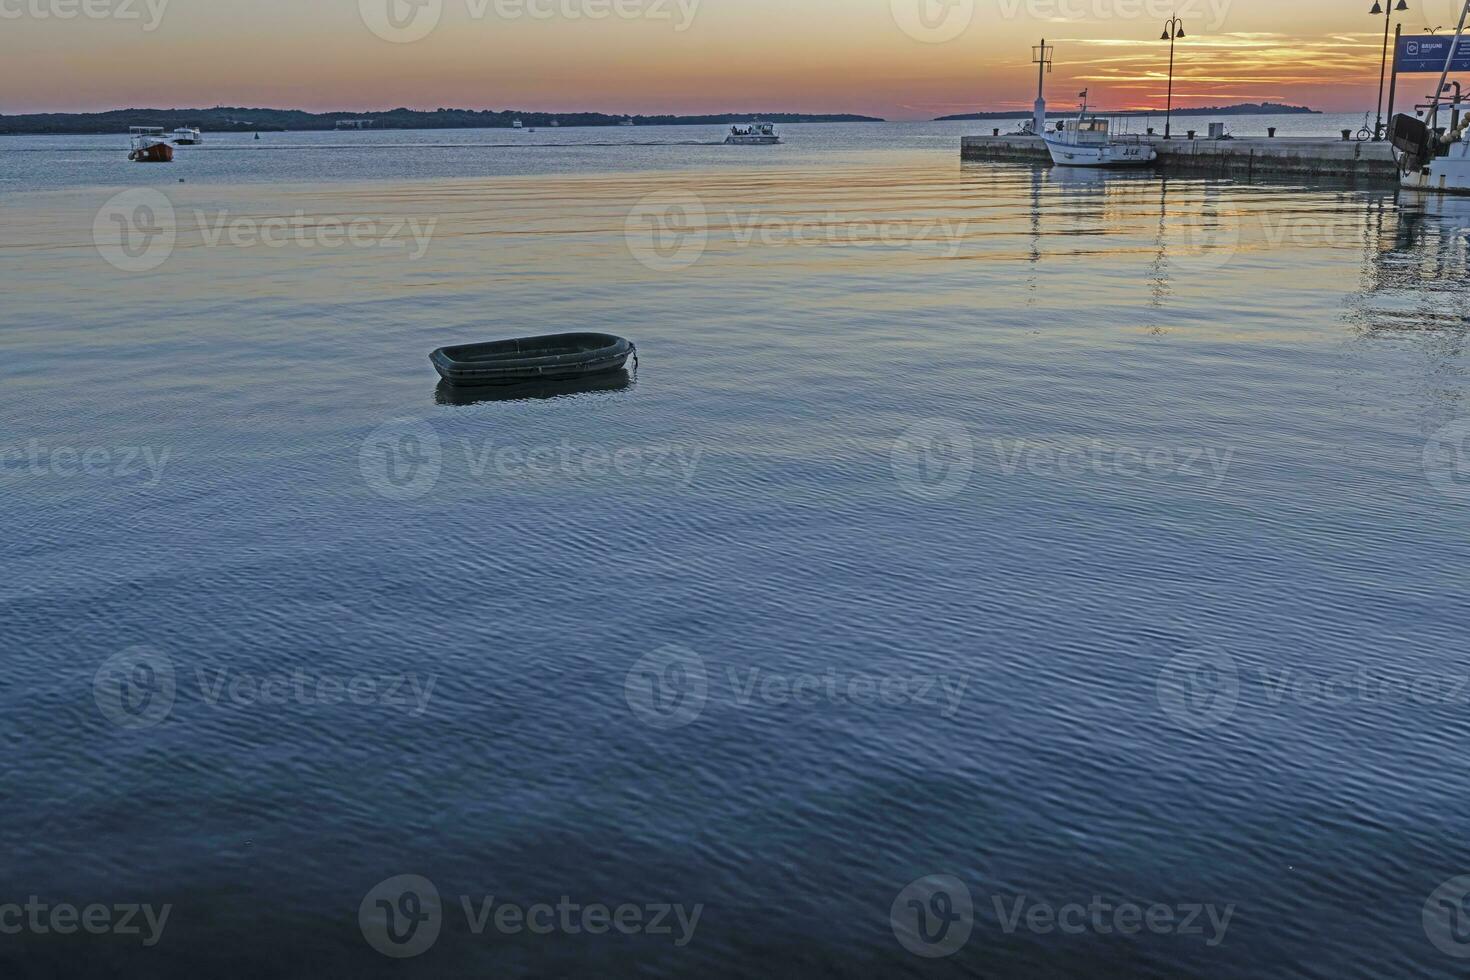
(186, 136)
(756, 134)
(1088, 141)
(1432, 158)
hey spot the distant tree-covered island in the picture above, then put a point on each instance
(1243, 109)
(226, 120)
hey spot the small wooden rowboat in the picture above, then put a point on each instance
(557, 357)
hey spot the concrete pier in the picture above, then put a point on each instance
(1289, 157)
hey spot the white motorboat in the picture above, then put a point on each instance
(1432, 158)
(756, 134)
(186, 136)
(517, 125)
(1090, 141)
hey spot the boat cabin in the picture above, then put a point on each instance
(1090, 129)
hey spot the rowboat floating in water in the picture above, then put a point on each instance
(1088, 141)
(551, 358)
(150, 145)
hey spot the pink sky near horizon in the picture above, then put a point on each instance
(900, 59)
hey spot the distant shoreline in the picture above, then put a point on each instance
(238, 120)
(1244, 109)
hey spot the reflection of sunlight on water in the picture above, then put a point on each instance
(976, 237)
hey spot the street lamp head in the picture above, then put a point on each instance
(1164, 36)
(1180, 33)
(1377, 8)
(1403, 6)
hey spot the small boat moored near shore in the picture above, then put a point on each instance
(551, 358)
(1088, 141)
(186, 136)
(149, 145)
(1431, 157)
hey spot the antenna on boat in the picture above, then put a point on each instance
(1449, 63)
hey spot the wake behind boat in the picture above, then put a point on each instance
(1088, 141)
(756, 134)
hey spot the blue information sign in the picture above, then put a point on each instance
(1426, 53)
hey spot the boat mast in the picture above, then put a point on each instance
(1444, 75)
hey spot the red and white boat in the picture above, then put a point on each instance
(150, 145)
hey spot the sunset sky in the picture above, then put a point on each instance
(901, 59)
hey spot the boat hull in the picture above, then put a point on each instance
(752, 140)
(1101, 155)
(558, 357)
(1442, 175)
(154, 153)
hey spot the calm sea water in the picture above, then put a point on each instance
(975, 546)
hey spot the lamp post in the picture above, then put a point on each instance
(1387, 10)
(1174, 28)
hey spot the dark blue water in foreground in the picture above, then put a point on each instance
(1105, 546)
